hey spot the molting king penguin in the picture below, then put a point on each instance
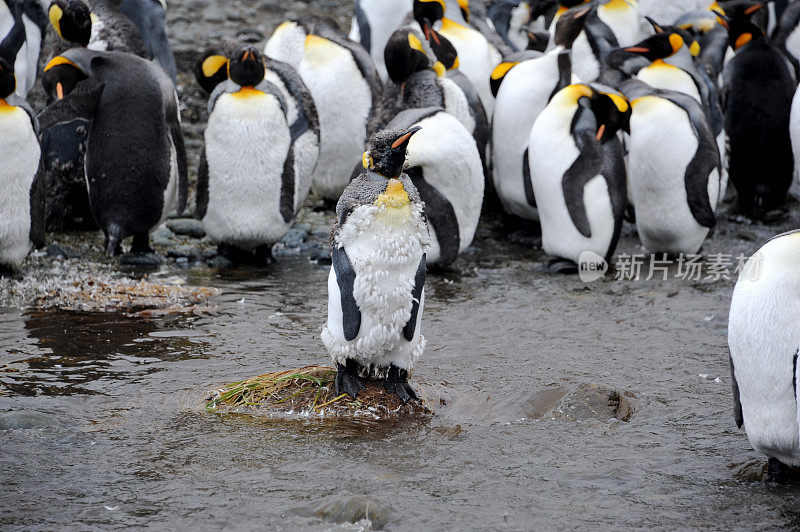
(248, 189)
(135, 158)
(21, 184)
(97, 26)
(763, 333)
(346, 90)
(374, 21)
(674, 169)
(376, 285)
(22, 28)
(578, 173)
(523, 89)
(759, 88)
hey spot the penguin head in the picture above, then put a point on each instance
(570, 25)
(211, 69)
(742, 18)
(386, 151)
(246, 67)
(566, 5)
(8, 81)
(72, 20)
(537, 40)
(444, 50)
(60, 77)
(427, 13)
(404, 55)
(662, 45)
(700, 21)
(612, 111)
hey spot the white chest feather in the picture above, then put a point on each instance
(624, 19)
(19, 150)
(667, 77)
(383, 18)
(456, 103)
(247, 142)
(763, 336)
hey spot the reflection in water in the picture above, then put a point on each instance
(65, 353)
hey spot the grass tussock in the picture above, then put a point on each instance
(308, 391)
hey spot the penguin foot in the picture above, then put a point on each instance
(234, 254)
(141, 259)
(141, 245)
(564, 266)
(397, 383)
(263, 255)
(347, 379)
(780, 473)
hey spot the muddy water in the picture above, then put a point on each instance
(103, 423)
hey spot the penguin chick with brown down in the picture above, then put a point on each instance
(376, 285)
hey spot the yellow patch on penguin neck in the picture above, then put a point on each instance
(453, 28)
(6, 107)
(394, 197)
(618, 5)
(248, 92)
(660, 63)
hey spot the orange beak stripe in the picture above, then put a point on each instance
(402, 139)
(601, 131)
(637, 49)
(59, 91)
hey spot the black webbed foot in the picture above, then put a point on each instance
(263, 255)
(397, 383)
(779, 473)
(347, 379)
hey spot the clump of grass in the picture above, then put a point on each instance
(306, 391)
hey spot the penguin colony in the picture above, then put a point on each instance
(576, 114)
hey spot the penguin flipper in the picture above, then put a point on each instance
(416, 294)
(287, 187)
(616, 176)
(738, 416)
(526, 179)
(586, 167)
(440, 214)
(201, 202)
(183, 165)
(37, 208)
(364, 31)
(346, 278)
(80, 103)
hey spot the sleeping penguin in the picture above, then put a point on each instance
(759, 88)
(135, 155)
(346, 90)
(523, 87)
(248, 192)
(374, 21)
(29, 16)
(763, 333)
(674, 169)
(22, 196)
(376, 285)
(577, 170)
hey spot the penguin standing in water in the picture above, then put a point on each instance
(578, 174)
(150, 17)
(374, 21)
(28, 14)
(135, 155)
(247, 188)
(21, 184)
(759, 88)
(346, 90)
(673, 169)
(376, 286)
(763, 338)
(523, 89)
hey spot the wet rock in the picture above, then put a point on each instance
(323, 256)
(26, 420)
(213, 13)
(352, 510)
(294, 238)
(250, 35)
(187, 227)
(140, 259)
(221, 262)
(61, 252)
(595, 401)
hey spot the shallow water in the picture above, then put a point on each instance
(103, 424)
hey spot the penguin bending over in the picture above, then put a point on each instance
(763, 333)
(346, 90)
(22, 28)
(376, 285)
(578, 174)
(522, 90)
(21, 184)
(135, 155)
(248, 191)
(759, 88)
(374, 21)
(674, 169)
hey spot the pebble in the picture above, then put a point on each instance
(352, 510)
(187, 227)
(59, 252)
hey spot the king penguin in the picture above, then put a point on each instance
(29, 15)
(135, 157)
(674, 169)
(578, 174)
(346, 90)
(150, 17)
(763, 333)
(248, 192)
(376, 292)
(523, 89)
(374, 21)
(98, 26)
(22, 196)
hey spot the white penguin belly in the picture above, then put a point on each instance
(522, 96)
(383, 18)
(247, 141)
(456, 103)
(668, 77)
(584, 63)
(344, 101)
(662, 144)
(624, 19)
(450, 162)
(385, 260)
(793, 44)
(763, 336)
(20, 153)
(794, 131)
(552, 152)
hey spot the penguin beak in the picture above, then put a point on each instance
(637, 49)
(247, 55)
(404, 138)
